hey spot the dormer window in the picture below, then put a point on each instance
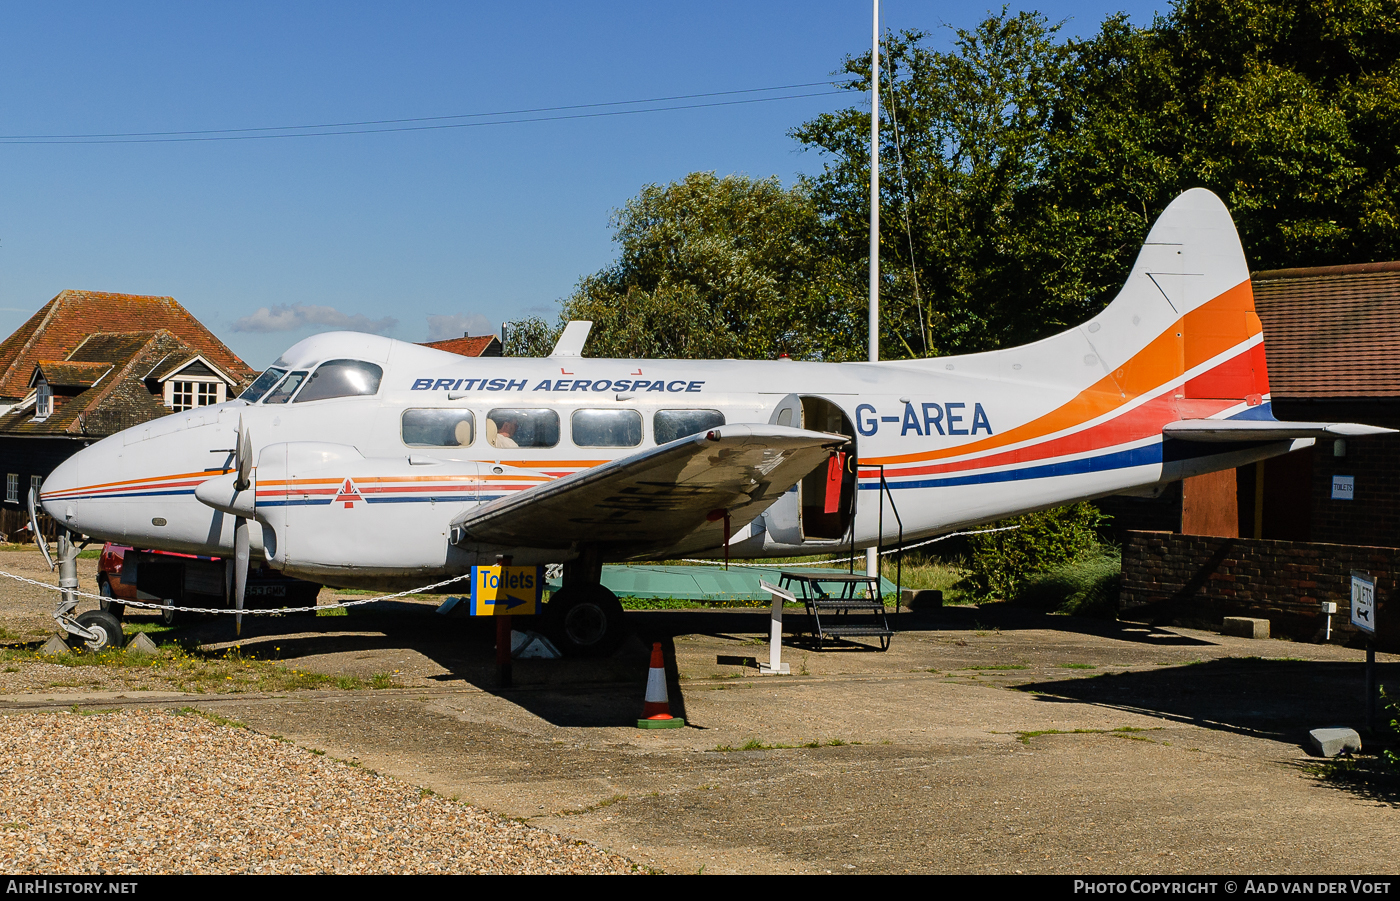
(186, 395)
(43, 400)
(192, 383)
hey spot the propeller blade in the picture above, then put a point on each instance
(243, 458)
(240, 571)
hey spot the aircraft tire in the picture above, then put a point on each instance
(170, 617)
(107, 627)
(113, 606)
(585, 621)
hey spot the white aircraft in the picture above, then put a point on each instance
(359, 461)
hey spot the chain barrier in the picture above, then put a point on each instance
(246, 611)
(893, 550)
(146, 605)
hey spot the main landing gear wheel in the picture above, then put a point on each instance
(105, 626)
(109, 602)
(585, 621)
(168, 615)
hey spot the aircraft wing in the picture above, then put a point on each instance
(1229, 430)
(655, 498)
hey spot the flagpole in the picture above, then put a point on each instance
(872, 557)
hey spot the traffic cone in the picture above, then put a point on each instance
(656, 711)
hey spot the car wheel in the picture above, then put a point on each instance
(106, 627)
(585, 621)
(113, 606)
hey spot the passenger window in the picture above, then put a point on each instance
(259, 387)
(438, 428)
(672, 425)
(606, 428)
(341, 378)
(289, 386)
(522, 428)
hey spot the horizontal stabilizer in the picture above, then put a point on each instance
(1227, 430)
(658, 497)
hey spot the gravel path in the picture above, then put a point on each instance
(146, 791)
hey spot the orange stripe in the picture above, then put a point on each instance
(1221, 326)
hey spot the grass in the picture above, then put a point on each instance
(997, 667)
(150, 627)
(754, 744)
(202, 671)
(1077, 665)
(606, 802)
(1121, 732)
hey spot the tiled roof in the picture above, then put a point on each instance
(470, 346)
(176, 362)
(63, 323)
(63, 374)
(122, 399)
(1333, 331)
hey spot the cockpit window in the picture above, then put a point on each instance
(341, 378)
(283, 392)
(259, 387)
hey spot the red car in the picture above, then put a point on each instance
(187, 580)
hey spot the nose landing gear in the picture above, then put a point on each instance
(98, 629)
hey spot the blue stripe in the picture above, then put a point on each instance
(417, 499)
(1264, 411)
(1139, 456)
(98, 497)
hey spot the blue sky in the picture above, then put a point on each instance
(406, 233)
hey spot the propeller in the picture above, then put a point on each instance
(233, 493)
(243, 467)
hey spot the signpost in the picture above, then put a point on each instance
(503, 591)
(1363, 616)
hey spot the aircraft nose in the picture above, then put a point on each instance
(58, 493)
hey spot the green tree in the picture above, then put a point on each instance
(531, 337)
(718, 267)
(963, 137)
(1021, 172)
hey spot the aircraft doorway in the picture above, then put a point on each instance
(826, 496)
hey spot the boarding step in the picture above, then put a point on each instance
(841, 605)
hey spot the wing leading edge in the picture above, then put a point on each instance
(656, 498)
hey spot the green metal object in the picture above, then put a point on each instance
(674, 722)
(699, 583)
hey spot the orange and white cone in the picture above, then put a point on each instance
(656, 710)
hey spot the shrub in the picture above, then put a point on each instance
(1086, 587)
(1000, 562)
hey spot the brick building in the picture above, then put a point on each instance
(89, 364)
(1280, 537)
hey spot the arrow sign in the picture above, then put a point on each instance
(504, 590)
(1363, 602)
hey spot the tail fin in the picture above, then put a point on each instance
(1186, 310)
(1185, 314)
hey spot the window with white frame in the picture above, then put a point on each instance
(12, 487)
(184, 394)
(36, 484)
(43, 400)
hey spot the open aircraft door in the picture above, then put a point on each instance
(821, 507)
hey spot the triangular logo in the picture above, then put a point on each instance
(349, 494)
